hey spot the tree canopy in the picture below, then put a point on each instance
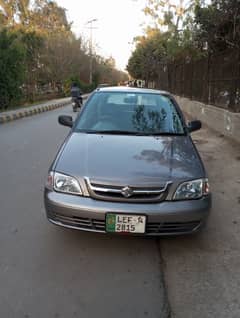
(45, 53)
(184, 30)
(192, 49)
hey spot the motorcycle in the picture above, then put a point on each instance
(76, 103)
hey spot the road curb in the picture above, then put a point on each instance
(31, 112)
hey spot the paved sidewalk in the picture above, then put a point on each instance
(202, 272)
(35, 109)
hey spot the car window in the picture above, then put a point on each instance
(132, 112)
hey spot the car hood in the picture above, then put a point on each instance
(131, 160)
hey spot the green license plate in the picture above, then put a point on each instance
(125, 223)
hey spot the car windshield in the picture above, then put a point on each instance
(129, 113)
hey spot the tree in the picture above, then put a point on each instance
(157, 49)
(42, 16)
(12, 68)
(24, 11)
(62, 58)
(218, 25)
(105, 71)
(48, 16)
(33, 44)
(170, 15)
(8, 10)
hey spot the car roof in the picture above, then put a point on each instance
(131, 90)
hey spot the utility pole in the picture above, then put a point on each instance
(91, 48)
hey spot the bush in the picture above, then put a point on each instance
(12, 68)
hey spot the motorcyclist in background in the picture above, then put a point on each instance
(76, 95)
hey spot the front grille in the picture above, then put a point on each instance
(123, 193)
(79, 223)
(99, 225)
(172, 227)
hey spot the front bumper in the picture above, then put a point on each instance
(164, 218)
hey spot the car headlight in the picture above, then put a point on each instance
(63, 183)
(194, 189)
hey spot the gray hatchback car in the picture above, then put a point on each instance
(128, 166)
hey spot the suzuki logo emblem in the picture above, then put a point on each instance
(127, 192)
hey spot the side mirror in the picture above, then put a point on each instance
(65, 120)
(194, 125)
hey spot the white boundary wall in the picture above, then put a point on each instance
(218, 119)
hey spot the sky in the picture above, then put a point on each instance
(118, 22)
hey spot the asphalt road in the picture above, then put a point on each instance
(47, 271)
